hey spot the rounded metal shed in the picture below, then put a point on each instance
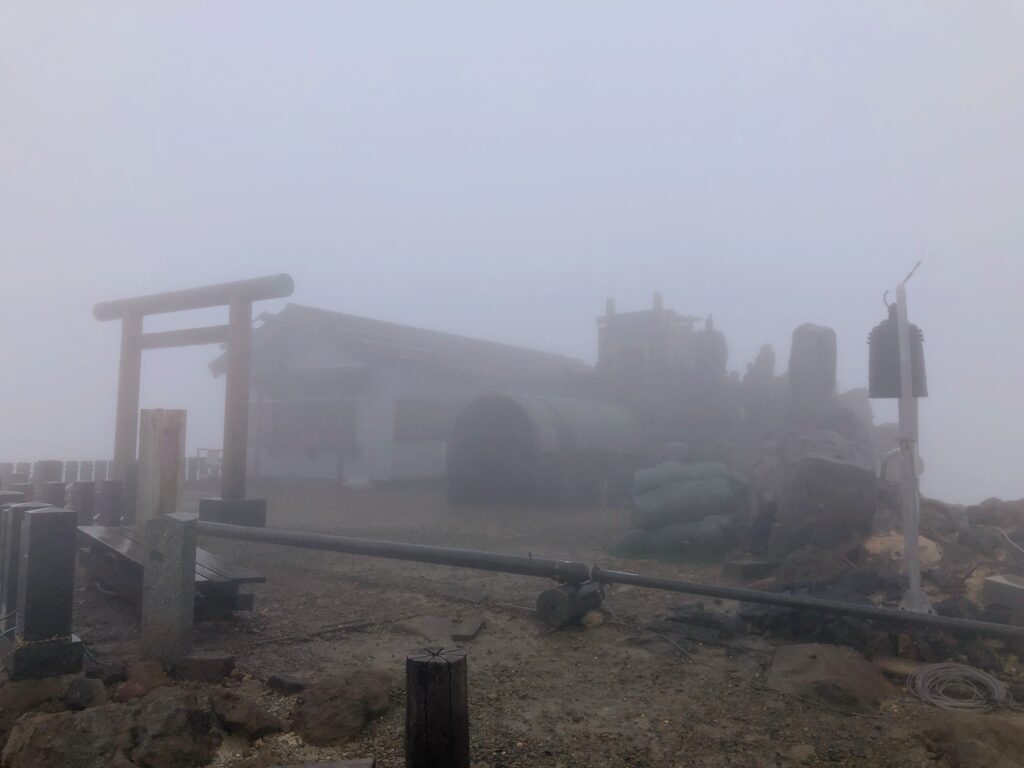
(538, 450)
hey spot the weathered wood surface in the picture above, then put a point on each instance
(115, 555)
(436, 709)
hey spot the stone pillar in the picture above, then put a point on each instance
(44, 645)
(812, 367)
(85, 471)
(53, 493)
(11, 517)
(108, 503)
(44, 472)
(71, 469)
(81, 499)
(161, 480)
(25, 489)
(11, 497)
(169, 587)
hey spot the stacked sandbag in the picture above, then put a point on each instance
(681, 509)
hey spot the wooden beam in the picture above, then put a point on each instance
(188, 337)
(272, 287)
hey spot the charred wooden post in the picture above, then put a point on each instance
(567, 603)
(436, 709)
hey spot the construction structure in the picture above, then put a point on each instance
(361, 401)
(232, 506)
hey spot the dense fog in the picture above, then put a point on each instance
(499, 172)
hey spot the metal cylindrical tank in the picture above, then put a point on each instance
(538, 450)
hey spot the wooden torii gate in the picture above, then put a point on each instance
(232, 506)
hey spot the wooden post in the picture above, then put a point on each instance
(126, 432)
(436, 709)
(236, 400)
(161, 480)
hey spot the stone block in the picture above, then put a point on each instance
(46, 574)
(168, 587)
(45, 658)
(251, 512)
(109, 502)
(204, 666)
(823, 502)
(25, 489)
(44, 472)
(54, 493)
(85, 471)
(11, 497)
(81, 498)
(71, 469)
(812, 366)
(11, 518)
(1006, 590)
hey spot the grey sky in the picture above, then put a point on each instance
(497, 170)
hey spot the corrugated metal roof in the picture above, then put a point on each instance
(365, 338)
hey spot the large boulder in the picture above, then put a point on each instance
(336, 711)
(1008, 515)
(823, 502)
(96, 738)
(240, 714)
(173, 728)
(18, 697)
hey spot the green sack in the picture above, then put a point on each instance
(673, 472)
(686, 502)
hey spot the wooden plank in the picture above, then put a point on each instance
(209, 564)
(127, 542)
(203, 569)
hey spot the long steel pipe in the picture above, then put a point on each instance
(575, 572)
(562, 570)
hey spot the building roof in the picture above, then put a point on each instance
(364, 339)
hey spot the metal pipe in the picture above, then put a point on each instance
(575, 572)
(561, 570)
(272, 287)
(801, 602)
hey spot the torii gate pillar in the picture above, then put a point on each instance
(232, 506)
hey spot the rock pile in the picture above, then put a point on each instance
(143, 718)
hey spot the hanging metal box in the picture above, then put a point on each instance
(884, 359)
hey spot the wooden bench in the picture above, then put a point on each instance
(114, 556)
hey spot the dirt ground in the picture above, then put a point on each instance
(613, 695)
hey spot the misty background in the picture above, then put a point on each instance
(497, 171)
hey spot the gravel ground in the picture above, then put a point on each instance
(613, 695)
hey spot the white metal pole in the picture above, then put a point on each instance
(914, 599)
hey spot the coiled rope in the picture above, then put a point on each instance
(958, 687)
